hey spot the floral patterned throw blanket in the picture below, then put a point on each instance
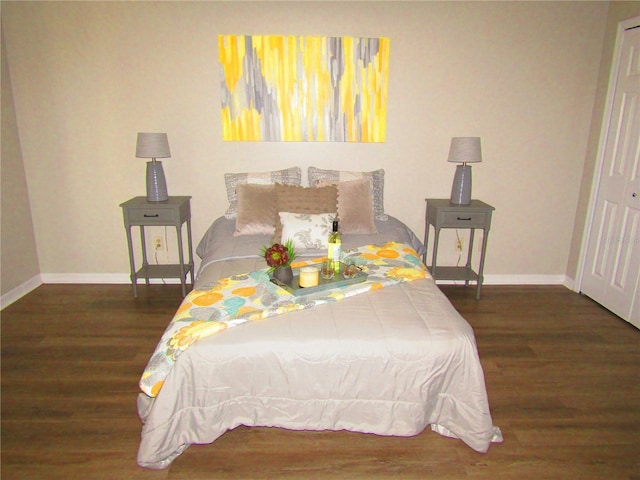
(243, 298)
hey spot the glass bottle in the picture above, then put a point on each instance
(335, 247)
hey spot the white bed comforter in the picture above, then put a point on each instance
(389, 362)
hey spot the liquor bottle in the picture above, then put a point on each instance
(335, 246)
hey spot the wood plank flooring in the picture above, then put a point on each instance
(563, 376)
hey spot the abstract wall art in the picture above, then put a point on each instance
(303, 88)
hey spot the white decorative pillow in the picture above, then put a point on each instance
(307, 230)
(288, 176)
(334, 176)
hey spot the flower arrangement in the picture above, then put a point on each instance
(279, 255)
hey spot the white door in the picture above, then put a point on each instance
(611, 274)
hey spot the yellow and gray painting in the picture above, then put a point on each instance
(303, 88)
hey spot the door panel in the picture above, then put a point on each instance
(612, 259)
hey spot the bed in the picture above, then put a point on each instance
(390, 361)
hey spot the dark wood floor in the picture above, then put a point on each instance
(563, 376)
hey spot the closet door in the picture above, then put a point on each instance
(611, 272)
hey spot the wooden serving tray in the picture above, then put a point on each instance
(337, 281)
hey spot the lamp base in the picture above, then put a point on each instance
(461, 189)
(156, 183)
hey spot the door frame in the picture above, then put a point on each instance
(602, 141)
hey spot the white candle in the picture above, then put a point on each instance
(308, 277)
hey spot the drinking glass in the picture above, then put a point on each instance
(327, 270)
(350, 268)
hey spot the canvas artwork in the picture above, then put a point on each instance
(303, 88)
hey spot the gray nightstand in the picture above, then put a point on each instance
(172, 212)
(441, 213)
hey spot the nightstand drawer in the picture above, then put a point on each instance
(462, 219)
(152, 216)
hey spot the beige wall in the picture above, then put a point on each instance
(618, 11)
(87, 76)
(18, 258)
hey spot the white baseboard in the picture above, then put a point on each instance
(106, 278)
(518, 280)
(100, 278)
(20, 291)
(525, 280)
(119, 278)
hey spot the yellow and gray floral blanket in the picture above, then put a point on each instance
(243, 298)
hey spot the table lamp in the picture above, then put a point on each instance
(154, 145)
(463, 150)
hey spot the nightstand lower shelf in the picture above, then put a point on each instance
(164, 271)
(454, 273)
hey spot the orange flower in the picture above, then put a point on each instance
(188, 334)
(249, 312)
(244, 291)
(387, 253)
(184, 306)
(407, 273)
(207, 298)
(156, 388)
(287, 308)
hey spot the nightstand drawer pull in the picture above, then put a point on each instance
(463, 219)
(153, 217)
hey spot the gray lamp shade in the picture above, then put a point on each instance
(463, 150)
(154, 145)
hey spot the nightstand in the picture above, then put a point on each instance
(172, 212)
(441, 213)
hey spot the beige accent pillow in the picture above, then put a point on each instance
(317, 175)
(294, 199)
(355, 207)
(256, 209)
